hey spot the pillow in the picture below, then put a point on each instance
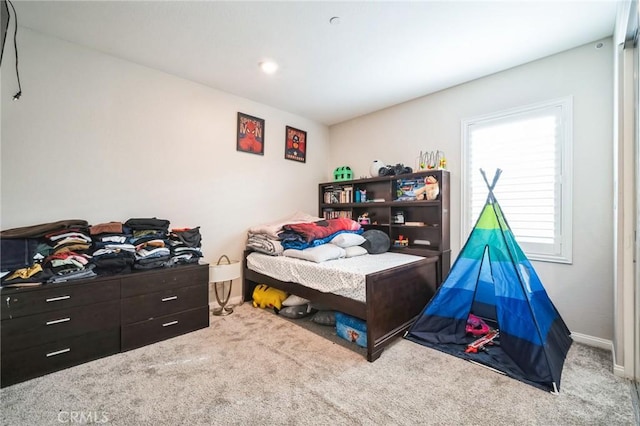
(347, 239)
(355, 251)
(324, 318)
(317, 254)
(377, 241)
(294, 300)
(295, 312)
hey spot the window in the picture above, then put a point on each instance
(532, 146)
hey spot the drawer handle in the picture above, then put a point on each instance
(62, 351)
(167, 324)
(166, 299)
(55, 299)
(58, 321)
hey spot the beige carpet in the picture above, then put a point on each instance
(254, 368)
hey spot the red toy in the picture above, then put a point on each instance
(476, 327)
(479, 344)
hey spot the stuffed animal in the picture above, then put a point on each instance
(268, 297)
(429, 191)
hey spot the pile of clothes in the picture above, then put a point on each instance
(112, 251)
(265, 238)
(185, 245)
(72, 249)
(150, 238)
(66, 254)
(298, 232)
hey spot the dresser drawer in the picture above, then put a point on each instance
(34, 330)
(18, 366)
(51, 297)
(157, 329)
(162, 303)
(166, 278)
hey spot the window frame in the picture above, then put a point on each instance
(565, 136)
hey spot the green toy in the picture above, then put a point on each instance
(342, 173)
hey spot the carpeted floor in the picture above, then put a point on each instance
(255, 368)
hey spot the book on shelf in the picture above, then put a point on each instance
(335, 214)
(338, 194)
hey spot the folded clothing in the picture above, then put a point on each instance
(272, 229)
(36, 231)
(148, 223)
(322, 228)
(264, 244)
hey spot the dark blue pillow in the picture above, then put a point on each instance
(377, 241)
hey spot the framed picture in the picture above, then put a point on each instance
(295, 145)
(250, 134)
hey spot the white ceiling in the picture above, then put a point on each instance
(381, 53)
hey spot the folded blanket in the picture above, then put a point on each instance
(264, 244)
(323, 228)
(272, 229)
(298, 244)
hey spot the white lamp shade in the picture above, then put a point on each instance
(225, 272)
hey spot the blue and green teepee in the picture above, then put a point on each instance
(493, 279)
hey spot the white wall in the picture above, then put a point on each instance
(98, 138)
(583, 291)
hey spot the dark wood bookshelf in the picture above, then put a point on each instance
(433, 230)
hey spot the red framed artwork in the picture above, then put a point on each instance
(250, 134)
(295, 145)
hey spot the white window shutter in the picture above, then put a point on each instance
(532, 147)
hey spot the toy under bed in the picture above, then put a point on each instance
(388, 291)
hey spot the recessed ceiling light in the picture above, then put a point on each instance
(334, 20)
(268, 67)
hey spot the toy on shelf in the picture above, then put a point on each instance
(429, 191)
(342, 173)
(398, 218)
(402, 241)
(363, 219)
(431, 160)
(375, 168)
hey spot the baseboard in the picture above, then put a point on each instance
(595, 342)
(618, 370)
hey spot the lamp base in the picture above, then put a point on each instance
(222, 311)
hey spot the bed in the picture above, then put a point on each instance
(388, 300)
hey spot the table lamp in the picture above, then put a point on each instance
(219, 275)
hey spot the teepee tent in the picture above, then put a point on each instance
(492, 279)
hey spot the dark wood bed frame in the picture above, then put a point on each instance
(395, 297)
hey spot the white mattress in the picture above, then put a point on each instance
(344, 277)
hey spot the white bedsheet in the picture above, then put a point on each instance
(344, 277)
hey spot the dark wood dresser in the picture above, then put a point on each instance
(55, 326)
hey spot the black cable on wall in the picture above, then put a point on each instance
(15, 46)
(6, 19)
